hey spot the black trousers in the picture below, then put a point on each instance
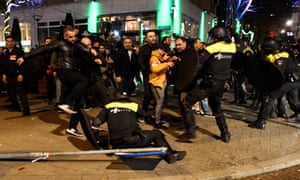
(268, 99)
(98, 89)
(75, 85)
(213, 90)
(153, 138)
(14, 89)
(127, 84)
(51, 88)
(239, 94)
(148, 96)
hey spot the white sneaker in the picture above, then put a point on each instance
(67, 109)
(88, 109)
(74, 132)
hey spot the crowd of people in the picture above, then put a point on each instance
(80, 68)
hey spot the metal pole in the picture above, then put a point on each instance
(45, 155)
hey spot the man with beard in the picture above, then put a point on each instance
(143, 59)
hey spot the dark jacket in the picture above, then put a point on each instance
(10, 66)
(125, 67)
(88, 67)
(65, 54)
(144, 57)
(121, 117)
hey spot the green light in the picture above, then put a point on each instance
(163, 18)
(177, 13)
(202, 25)
(214, 22)
(94, 9)
(237, 26)
(141, 33)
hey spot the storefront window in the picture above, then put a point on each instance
(126, 22)
(189, 27)
(25, 35)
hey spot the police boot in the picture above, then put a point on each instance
(258, 124)
(225, 135)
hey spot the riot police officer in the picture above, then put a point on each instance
(121, 116)
(287, 66)
(214, 68)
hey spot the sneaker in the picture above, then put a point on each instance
(67, 109)
(141, 120)
(88, 108)
(74, 132)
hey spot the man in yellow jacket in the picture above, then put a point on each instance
(159, 66)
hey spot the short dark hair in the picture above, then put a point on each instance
(150, 32)
(182, 38)
(9, 37)
(157, 46)
(164, 38)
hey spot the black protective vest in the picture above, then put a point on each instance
(219, 63)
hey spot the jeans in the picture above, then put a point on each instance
(159, 94)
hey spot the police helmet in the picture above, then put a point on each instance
(219, 33)
(270, 45)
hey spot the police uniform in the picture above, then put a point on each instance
(121, 116)
(215, 64)
(238, 66)
(290, 87)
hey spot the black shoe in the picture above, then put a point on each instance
(174, 156)
(258, 125)
(187, 136)
(179, 155)
(169, 158)
(158, 126)
(283, 115)
(225, 137)
(26, 113)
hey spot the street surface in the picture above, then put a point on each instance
(249, 153)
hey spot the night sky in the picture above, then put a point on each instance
(268, 15)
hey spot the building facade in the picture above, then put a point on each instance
(121, 17)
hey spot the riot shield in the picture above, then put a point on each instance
(264, 75)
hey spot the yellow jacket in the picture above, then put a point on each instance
(158, 70)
